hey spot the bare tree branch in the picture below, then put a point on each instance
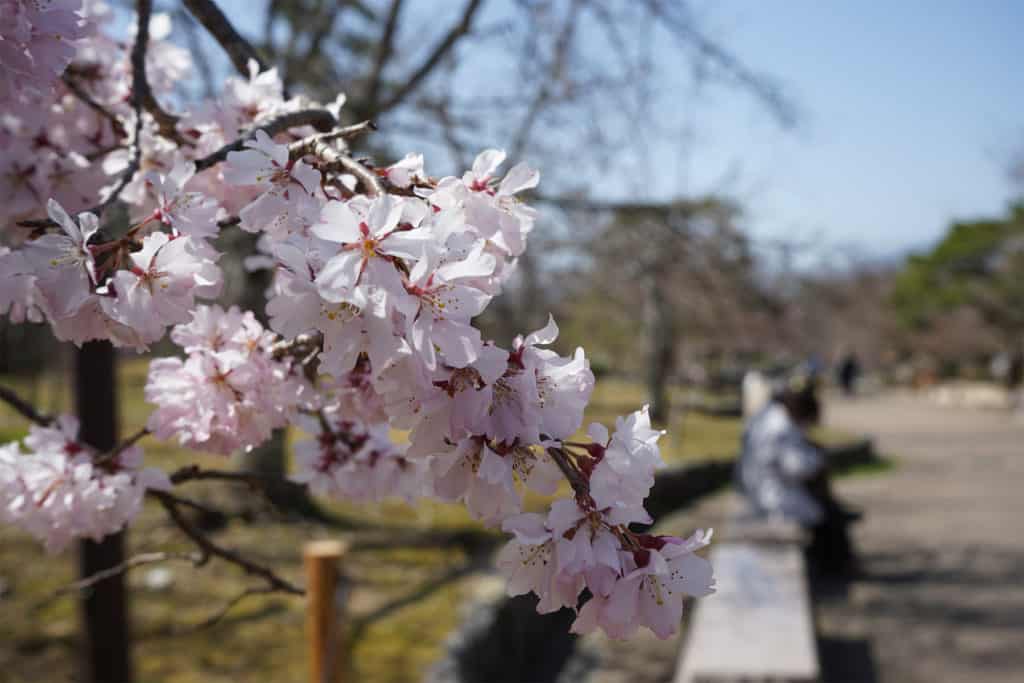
(238, 48)
(384, 50)
(131, 563)
(360, 624)
(78, 91)
(208, 548)
(766, 90)
(26, 409)
(433, 59)
(196, 473)
(228, 606)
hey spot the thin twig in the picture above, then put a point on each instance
(433, 59)
(122, 567)
(26, 409)
(228, 606)
(300, 148)
(188, 502)
(210, 549)
(120, 448)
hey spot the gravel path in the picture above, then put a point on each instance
(942, 593)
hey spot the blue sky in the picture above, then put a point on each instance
(911, 111)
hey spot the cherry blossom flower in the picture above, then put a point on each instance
(63, 264)
(160, 289)
(37, 41)
(651, 590)
(188, 213)
(354, 461)
(371, 242)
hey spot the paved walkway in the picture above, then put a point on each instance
(942, 596)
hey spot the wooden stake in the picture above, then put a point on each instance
(323, 625)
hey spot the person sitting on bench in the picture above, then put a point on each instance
(782, 473)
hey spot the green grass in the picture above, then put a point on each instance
(262, 638)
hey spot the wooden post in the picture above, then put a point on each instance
(323, 623)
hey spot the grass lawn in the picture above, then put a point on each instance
(262, 638)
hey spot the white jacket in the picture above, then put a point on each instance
(776, 460)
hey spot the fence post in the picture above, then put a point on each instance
(324, 626)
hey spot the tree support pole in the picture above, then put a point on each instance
(105, 629)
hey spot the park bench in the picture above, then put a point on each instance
(758, 626)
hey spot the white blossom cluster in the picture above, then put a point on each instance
(377, 276)
(59, 490)
(230, 393)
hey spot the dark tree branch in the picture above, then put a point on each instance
(321, 119)
(78, 91)
(385, 48)
(360, 624)
(196, 473)
(238, 49)
(763, 88)
(24, 408)
(209, 549)
(230, 605)
(433, 59)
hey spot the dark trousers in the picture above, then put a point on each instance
(830, 552)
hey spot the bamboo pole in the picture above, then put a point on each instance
(323, 621)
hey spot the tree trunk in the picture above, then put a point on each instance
(661, 347)
(105, 634)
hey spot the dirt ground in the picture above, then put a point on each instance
(941, 597)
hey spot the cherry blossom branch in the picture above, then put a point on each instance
(320, 119)
(302, 347)
(208, 548)
(120, 448)
(24, 408)
(569, 471)
(338, 160)
(309, 145)
(238, 49)
(139, 87)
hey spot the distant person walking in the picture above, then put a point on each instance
(1015, 380)
(848, 373)
(783, 474)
